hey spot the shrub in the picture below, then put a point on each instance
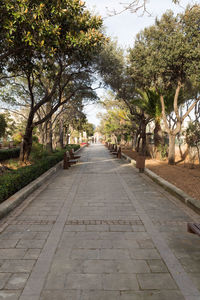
(73, 146)
(14, 180)
(9, 153)
(38, 152)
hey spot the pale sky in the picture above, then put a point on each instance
(125, 26)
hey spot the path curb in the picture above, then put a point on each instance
(15, 200)
(181, 195)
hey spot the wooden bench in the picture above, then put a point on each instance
(72, 156)
(112, 147)
(118, 152)
(194, 228)
(67, 161)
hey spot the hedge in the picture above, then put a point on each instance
(9, 153)
(14, 152)
(11, 182)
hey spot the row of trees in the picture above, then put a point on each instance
(48, 60)
(160, 78)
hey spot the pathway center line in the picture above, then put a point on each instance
(185, 284)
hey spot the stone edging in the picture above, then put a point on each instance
(16, 199)
(188, 200)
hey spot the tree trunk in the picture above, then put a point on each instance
(42, 134)
(67, 135)
(158, 139)
(27, 140)
(198, 152)
(49, 135)
(60, 142)
(171, 154)
(143, 136)
(49, 146)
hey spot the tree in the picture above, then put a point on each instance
(167, 56)
(115, 123)
(88, 128)
(3, 125)
(61, 68)
(134, 7)
(193, 136)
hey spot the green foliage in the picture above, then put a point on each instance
(17, 138)
(13, 181)
(9, 153)
(38, 152)
(89, 128)
(3, 125)
(32, 26)
(192, 134)
(163, 150)
(167, 52)
(73, 146)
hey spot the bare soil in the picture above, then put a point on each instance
(181, 175)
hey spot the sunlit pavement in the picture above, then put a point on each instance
(100, 230)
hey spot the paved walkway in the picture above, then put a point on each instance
(99, 231)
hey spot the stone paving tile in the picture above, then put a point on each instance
(75, 228)
(121, 228)
(157, 266)
(41, 235)
(195, 278)
(16, 228)
(60, 295)
(191, 265)
(138, 228)
(17, 266)
(100, 295)
(136, 235)
(99, 266)
(40, 227)
(97, 228)
(32, 254)
(112, 235)
(144, 254)
(114, 254)
(8, 243)
(132, 266)
(84, 282)
(87, 235)
(34, 244)
(17, 235)
(12, 253)
(120, 282)
(156, 281)
(65, 266)
(147, 244)
(85, 254)
(92, 244)
(9, 295)
(55, 281)
(3, 279)
(151, 295)
(17, 281)
(125, 244)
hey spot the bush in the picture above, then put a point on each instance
(11, 182)
(38, 152)
(15, 180)
(9, 153)
(73, 146)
